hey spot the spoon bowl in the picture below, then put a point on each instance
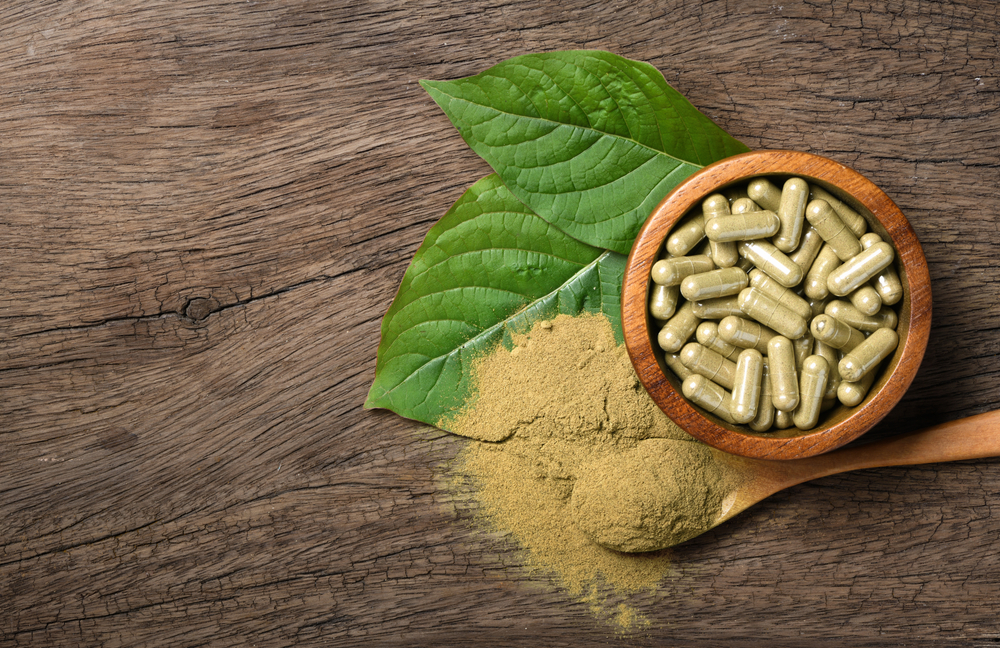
(752, 480)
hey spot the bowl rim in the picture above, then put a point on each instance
(917, 299)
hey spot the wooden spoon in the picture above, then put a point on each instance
(975, 437)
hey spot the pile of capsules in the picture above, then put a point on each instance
(789, 301)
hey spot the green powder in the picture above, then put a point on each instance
(563, 400)
(656, 495)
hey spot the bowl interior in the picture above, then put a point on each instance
(839, 425)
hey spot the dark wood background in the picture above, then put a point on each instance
(205, 210)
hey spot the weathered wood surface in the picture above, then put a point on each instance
(205, 209)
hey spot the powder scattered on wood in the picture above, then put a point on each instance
(564, 397)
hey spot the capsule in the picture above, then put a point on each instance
(782, 420)
(765, 408)
(734, 194)
(742, 227)
(763, 308)
(745, 333)
(887, 282)
(716, 309)
(746, 385)
(784, 381)
(809, 247)
(702, 391)
(772, 261)
(866, 299)
(825, 263)
(715, 283)
(836, 333)
(707, 335)
(837, 235)
(832, 357)
(848, 314)
(889, 287)
(803, 349)
(812, 386)
(763, 192)
(672, 271)
(854, 221)
(765, 283)
(852, 393)
(678, 329)
(702, 360)
(858, 270)
(791, 211)
(663, 301)
(673, 360)
(863, 358)
(744, 206)
(686, 235)
(723, 253)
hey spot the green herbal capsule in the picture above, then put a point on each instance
(716, 309)
(837, 235)
(803, 349)
(852, 393)
(707, 335)
(763, 192)
(766, 284)
(866, 299)
(832, 357)
(848, 314)
(808, 249)
(858, 270)
(742, 227)
(763, 308)
(723, 253)
(746, 385)
(678, 329)
(812, 386)
(714, 283)
(765, 408)
(706, 362)
(782, 420)
(744, 206)
(672, 271)
(826, 262)
(835, 333)
(863, 358)
(745, 333)
(663, 301)
(854, 221)
(708, 395)
(791, 211)
(887, 282)
(784, 381)
(772, 261)
(686, 235)
(673, 360)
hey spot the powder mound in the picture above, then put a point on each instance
(654, 496)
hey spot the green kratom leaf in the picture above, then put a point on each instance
(489, 267)
(590, 141)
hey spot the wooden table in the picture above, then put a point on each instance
(205, 210)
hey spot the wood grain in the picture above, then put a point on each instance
(205, 210)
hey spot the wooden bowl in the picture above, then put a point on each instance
(839, 425)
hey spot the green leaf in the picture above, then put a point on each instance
(489, 267)
(590, 141)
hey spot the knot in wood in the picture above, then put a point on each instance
(199, 308)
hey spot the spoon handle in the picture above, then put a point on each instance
(974, 437)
